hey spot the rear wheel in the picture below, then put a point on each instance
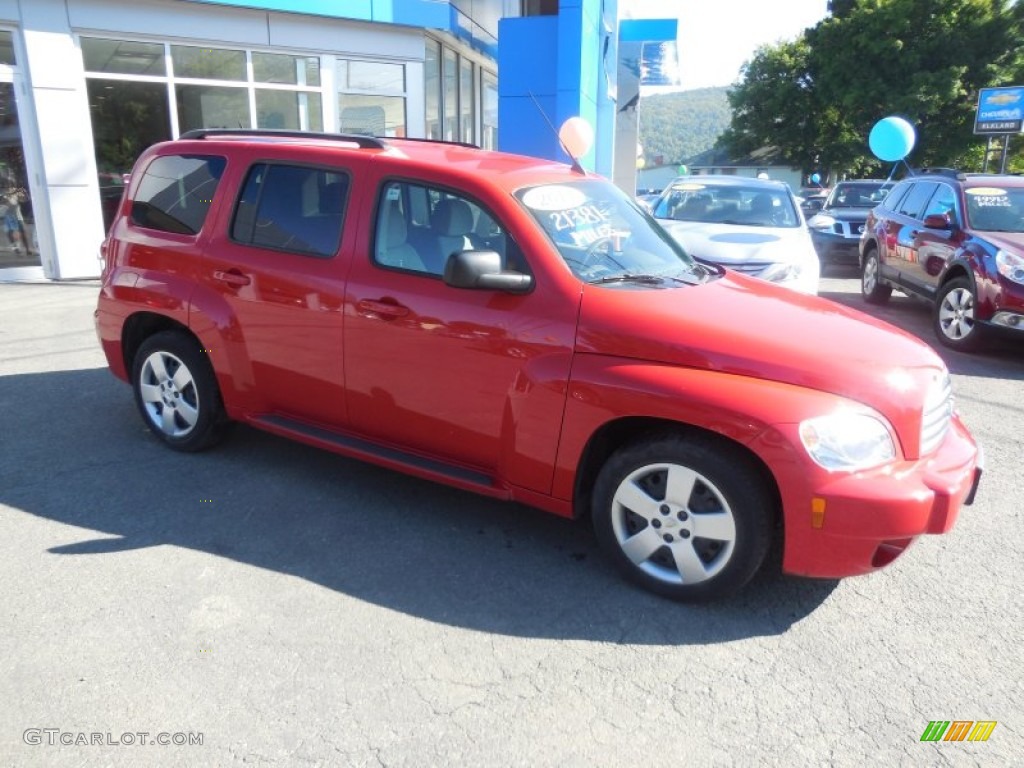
(176, 392)
(687, 519)
(954, 317)
(871, 285)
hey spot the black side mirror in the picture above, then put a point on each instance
(482, 270)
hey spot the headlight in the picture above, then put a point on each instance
(821, 222)
(847, 441)
(782, 272)
(1010, 266)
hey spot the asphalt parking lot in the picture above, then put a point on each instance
(285, 606)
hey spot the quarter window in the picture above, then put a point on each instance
(175, 193)
(292, 208)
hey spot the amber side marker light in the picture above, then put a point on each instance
(817, 512)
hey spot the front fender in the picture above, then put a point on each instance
(740, 408)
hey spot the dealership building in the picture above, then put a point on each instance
(86, 85)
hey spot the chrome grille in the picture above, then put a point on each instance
(749, 267)
(938, 410)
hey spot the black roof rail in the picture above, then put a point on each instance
(466, 144)
(950, 172)
(360, 140)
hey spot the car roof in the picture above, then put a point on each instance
(458, 161)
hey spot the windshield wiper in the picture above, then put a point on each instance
(629, 278)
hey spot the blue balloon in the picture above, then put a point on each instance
(891, 139)
(815, 178)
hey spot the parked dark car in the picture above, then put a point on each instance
(956, 240)
(837, 227)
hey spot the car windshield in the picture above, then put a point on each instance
(752, 206)
(995, 209)
(858, 194)
(602, 234)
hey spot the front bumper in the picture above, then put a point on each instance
(835, 247)
(844, 524)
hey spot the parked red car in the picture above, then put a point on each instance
(520, 329)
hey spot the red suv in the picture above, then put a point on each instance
(956, 240)
(520, 329)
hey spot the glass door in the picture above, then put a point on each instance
(19, 246)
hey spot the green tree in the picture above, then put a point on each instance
(924, 60)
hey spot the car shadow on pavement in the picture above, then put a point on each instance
(83, 457)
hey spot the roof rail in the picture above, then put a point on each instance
(360, 140)
(466, 144)
(950, 172)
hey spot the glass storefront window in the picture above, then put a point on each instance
(18, 243)
(208, 63)
(371, 115)
(489, 110)
(450, 75)
(6, 48)
(126, 118)
(467, 118)
(289, 110)
(123, 57)
(432, 91)
(281, 68)
(211, 106)
(371, 76)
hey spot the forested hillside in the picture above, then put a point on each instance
(677, 126)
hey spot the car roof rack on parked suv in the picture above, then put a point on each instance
(950, 172)
(360, 140)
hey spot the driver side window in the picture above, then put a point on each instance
(418, 227)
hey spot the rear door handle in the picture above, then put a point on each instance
(386, 309)
(232, 277)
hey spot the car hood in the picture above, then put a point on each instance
(730, 244)
(743, 326)
(1007, 240)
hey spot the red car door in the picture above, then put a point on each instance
(475, 377)
(278, 268)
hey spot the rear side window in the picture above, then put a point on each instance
(916, 198)
(291, 208)
(175, 193)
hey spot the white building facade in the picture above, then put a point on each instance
(86, 85)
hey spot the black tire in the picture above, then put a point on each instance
(176, 392)
(872, 288)
(954, 316)
(653, 534)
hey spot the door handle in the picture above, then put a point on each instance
(388, 310)
(232, 277)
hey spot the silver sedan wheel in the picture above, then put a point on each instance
(956, 314)
(673, 523)
(168, 394)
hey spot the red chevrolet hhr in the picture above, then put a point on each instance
(523, 330)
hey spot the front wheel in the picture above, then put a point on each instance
(871, 285)
(176, 392)
(688, 519)
(954, 317)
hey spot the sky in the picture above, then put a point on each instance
(717, 36)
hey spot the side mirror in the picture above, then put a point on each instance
(937, 221)
(482, 270)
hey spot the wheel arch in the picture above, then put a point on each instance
(140, 326)
(618, 433)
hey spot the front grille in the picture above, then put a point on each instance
(750, 267)
(938, 410)
(850, 229)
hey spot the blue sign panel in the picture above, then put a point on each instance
(1000, 110)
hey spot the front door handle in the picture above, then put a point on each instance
(388, 310)
(232, 277)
